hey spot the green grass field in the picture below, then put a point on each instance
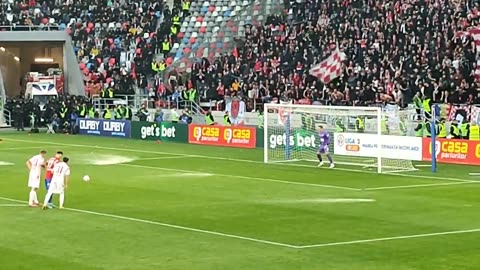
(175, 206)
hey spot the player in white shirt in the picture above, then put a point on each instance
(60, 179)
(35, 165)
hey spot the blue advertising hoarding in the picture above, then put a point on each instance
(108, 128)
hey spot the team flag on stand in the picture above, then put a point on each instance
(330, 68)
(474, 33)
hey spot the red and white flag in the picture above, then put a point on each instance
(330, 68)
(474, 33)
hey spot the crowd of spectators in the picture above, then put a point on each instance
(394, 49)
(116, 41)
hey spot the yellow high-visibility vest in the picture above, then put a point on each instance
(474, 133)
(166, 46)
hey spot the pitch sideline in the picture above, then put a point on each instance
(259, 162)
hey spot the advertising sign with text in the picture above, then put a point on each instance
(235, 136)
(100, 127)
(369, 145)
(452, 151)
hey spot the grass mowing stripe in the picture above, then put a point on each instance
(239, 160)
(240, 177)
(389, 238)
(168, 225)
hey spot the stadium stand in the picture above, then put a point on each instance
(394, 50)
(262, 50)
(114, 40)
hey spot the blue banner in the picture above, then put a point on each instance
(108, 128)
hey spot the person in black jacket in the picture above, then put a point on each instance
(19, 115)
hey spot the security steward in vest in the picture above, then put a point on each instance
(119, 112)
(455, 130)
(161, 66)
(465, 130)
(339, 126)
(165, 48)
(474, 133)
(91, 112)
(185, 7)
(260, 119)
(427, 107)
(155, 67)
(359, 125)
(209, 118)
(107, 114)
(420, 129)
(226, 119)
(82, 110)
(128, 113)
(442, 129)
(176, 20)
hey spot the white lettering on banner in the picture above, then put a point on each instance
(367, 145)
(89, 124)
(297, 140)
(113, 126)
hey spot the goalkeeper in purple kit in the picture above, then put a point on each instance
(324, 147)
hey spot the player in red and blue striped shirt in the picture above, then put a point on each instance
(49, 173)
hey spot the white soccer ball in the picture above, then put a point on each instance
(86, 178)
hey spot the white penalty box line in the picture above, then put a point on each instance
(267, 242)
(463, 181)
(168, 225)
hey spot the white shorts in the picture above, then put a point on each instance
(34, 181)
(56, 187)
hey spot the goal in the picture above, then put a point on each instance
(367, 137)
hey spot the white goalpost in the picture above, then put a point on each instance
(366, 137)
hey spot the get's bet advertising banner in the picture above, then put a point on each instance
(234, 136)
(166, 131)
(452, 151)
(100, 127)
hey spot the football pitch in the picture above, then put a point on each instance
(178, 206)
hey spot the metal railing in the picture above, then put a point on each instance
(133, 101)
(7, 117)
(48, 27)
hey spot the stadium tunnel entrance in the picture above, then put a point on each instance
(17, 59)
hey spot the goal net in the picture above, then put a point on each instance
(373, 138)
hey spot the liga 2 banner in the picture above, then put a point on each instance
(452, 151)
(101, 127)
(235, 136)
(368, 145)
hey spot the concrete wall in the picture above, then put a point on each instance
(33, 44)
(11, 71)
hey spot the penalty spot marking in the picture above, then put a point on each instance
(169, 225)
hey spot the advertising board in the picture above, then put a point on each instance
(369, 145)
(452, 151)
(100, 127)
(234, 136)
